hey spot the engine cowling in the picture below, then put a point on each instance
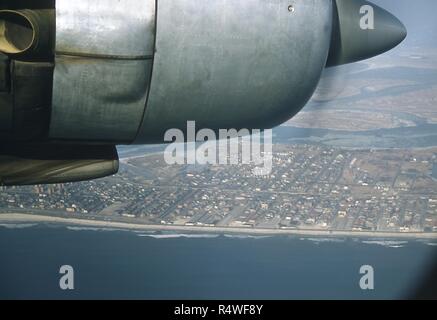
(89, 72)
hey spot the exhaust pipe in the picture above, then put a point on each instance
(27, 33)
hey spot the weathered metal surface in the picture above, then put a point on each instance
(44, 164)
(234, 64)
(124, 28)
(98, 99)
(103, 67)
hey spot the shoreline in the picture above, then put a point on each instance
(31, 218)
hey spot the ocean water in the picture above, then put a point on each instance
(111, 263)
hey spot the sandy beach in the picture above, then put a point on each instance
(31, 218)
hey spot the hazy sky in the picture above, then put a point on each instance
(419, 16)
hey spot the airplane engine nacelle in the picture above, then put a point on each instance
(127, 71)
(108, 72)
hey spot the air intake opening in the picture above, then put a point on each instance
(17, 33)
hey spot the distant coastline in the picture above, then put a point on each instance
(6, 218)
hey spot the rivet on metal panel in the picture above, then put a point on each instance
(291, 8)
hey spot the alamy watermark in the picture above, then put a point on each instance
(367, 21)
(367, 281)
(220, 147)
(66, 282)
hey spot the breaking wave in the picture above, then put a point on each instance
(386, 243)
(432, 244)
(177, 235)
(247, 236)
(323, 240)
(18, 225)
(428, 242)
(72, 228)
